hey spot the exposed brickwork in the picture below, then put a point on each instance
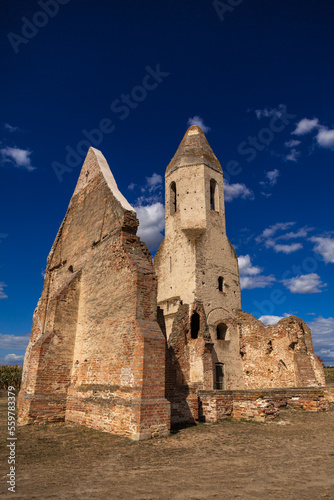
(197, 270)
(96, 354)
(258, 405)
(103, 354)
(277, 356)
(329, 394)
(188, 364)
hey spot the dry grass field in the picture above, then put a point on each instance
(291, 457)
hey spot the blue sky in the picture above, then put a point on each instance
(129, 78)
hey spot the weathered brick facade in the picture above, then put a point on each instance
(96, 354)
(259, 405)
(198, 282)
(103, 354)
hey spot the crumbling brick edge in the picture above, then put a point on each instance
(260, 404)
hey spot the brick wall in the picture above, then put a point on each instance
(96, 354)
(258, 405)
(188, 364)
(278, 356)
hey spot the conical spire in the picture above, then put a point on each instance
(194, 149)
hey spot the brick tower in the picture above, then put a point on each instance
(196, 264)
(196, 261)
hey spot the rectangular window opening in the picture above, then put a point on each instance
(219, 376)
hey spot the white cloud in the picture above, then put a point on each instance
(268, 112)
(250, 282)
(10, 128)
(18, 157)
(13, 359)
(301, 233)
(325, 247)
(197, 120)
(246, 267)
(250, 276)
(305, 126)
(271, 178)
(272, 320)
(2, 293)
(233, 191)
(270, 238)
(19, 342)
(154, 181)
(271, 230)
(287, 249)
(306, 283)
(322, 326)
(151, 224)
(131, 186)
(151, 191)
(323, 338)
(293, 155)
(325, 138)
(150, 211)
(292, 144)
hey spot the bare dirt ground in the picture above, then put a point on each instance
(291, 457)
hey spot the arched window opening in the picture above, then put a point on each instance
(221, 284)
(221, 331)
(195, 323)
(214, 195)
(173, 198)
(219, 376)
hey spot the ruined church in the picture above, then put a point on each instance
(130, 347)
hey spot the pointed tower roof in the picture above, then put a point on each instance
(194, 149)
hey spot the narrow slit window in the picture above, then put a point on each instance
(221, 284)
(214, 195)
(195, 324)
(219, 376)
(173, 203)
